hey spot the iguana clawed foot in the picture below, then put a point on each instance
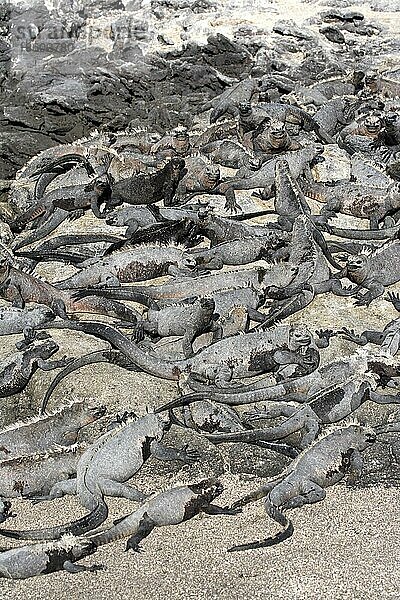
(188, 455)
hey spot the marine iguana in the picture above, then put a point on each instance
(271, 138)
(16, 370)
(202, 177)
(137, 263)
(175, 143)
(373, 203)
(229, 100)
(171, 507)
(298, 161)
(38, 434)
(149, 188)
(14, 320)
(282, 350)
(179, 289)
(373, 271)
(19, 287)
(35, 474)
(230, 153)
(325, 463)
(103, 470)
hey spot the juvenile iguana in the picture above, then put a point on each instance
(324, 464)
(103, 470)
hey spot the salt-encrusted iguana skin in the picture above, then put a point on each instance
(104, 469)
(324, 464)
(41, 433)
(349, 198)
(14, 320)
(298, 161)
(129, 265)
(168, 508)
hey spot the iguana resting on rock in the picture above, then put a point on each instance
(272, 138)
(253, 116)
(41, 433)
(168, 508)
(202, 177)
(324, 464)
(288, 352)
(320, 382)
(298, 161)
(373, 272)
(349, 198)
(14, 320)
(231, 153)
(114, 458)
(149, 188)
(237, 252)
(16, 370)
(19, 287)
(331, 404)
(176, 143)
(128, 265)
(228, 102)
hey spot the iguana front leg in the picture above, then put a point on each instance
(145, 527)
(15, 297)
(73, 568)
(375, 289)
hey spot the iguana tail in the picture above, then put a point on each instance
(286, 533)
(93, 519)
(89, 359)
(365, 234)
(72, 258)
(58, 216)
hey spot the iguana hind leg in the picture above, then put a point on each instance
(121, 490)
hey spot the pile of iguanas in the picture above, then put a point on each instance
(214, 288)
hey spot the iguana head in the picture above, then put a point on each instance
(372, 124)
(363, 435)
(212, 175)
(300, 339)
(47, 348)
(244, 109)
(209, 489)
(277, 133)
(356, 265)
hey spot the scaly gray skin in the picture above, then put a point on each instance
(104, 469)
(321, 382)
(35, 474)
(41, 433)
(290, 204)
(14, 320)
(322, 465)
(357, 200)
(208, 417)
(16, 370)
(237, 252)
(288, 351)
(228, 101)
(129, 265)
(280, 275)
(252, 117)
(19, 287)
(329, 405)
(335, 114)
(149, 188)
(168, 508)
(188, 321)
(272, 138)
(373, 272)
(230, 153)
(388, 339)
(202, 177)
(298, 161)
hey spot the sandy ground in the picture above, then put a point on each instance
(346, 548)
